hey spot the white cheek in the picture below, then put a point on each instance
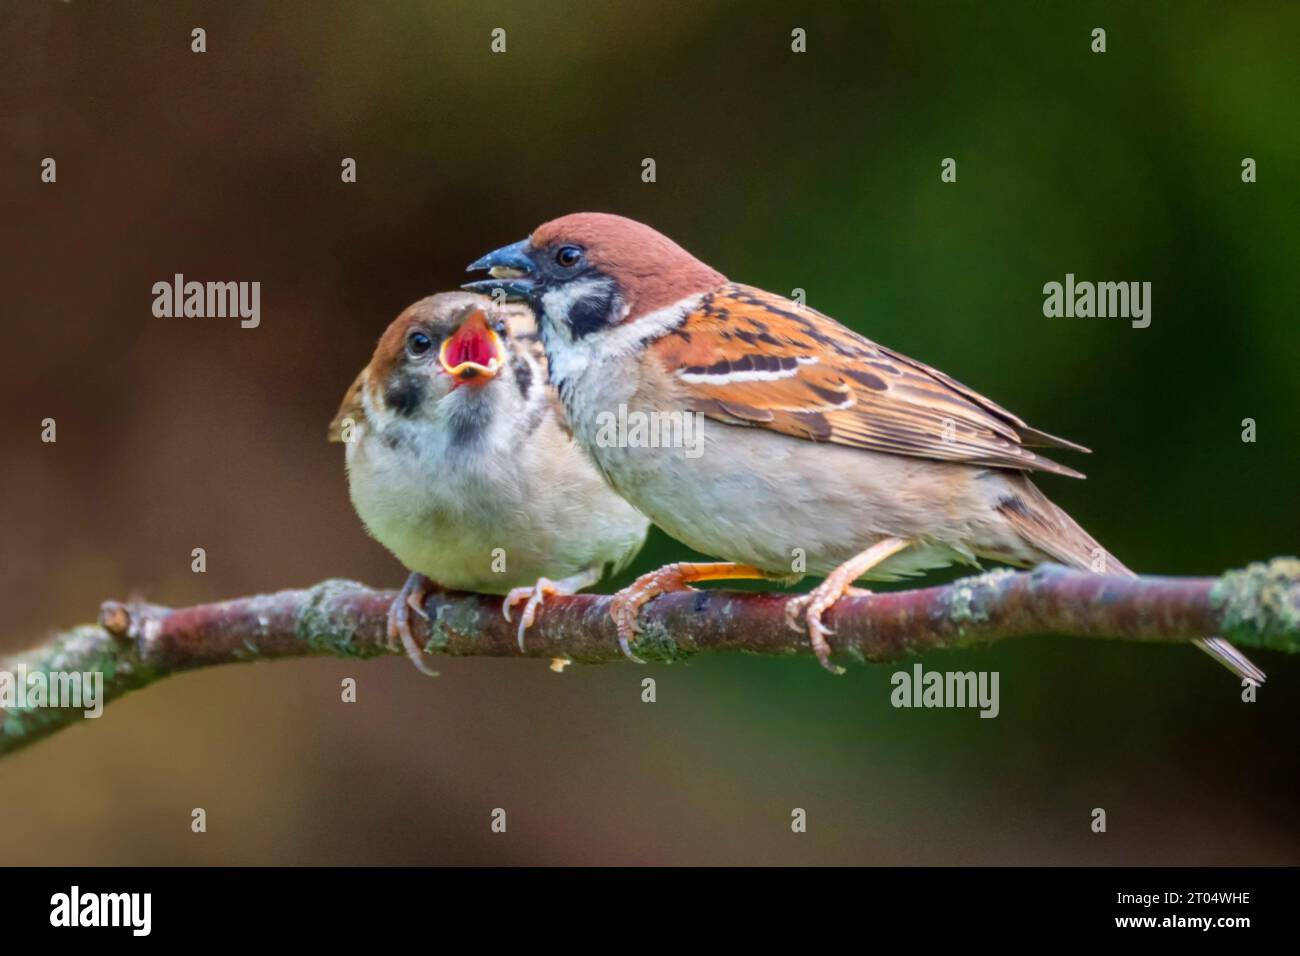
(556, 304)
(569, 357)
(570, 362)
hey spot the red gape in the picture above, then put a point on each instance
(473, 352)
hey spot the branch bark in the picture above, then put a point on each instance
(135, 644)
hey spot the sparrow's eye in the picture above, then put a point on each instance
(568, 256)
(417, 343)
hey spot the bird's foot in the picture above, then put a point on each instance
(410, 598)
(811, 607)
(837, 584)
(625, 605)
(534, 595)
(538, 593)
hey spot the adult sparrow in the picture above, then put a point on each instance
(459, 462)
(820, 447)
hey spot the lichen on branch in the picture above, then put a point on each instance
(135, 644)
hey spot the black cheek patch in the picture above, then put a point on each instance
(591, 313)
(404, 395)
(523, 375)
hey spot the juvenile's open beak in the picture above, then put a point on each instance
(473, 353)
(512, 270)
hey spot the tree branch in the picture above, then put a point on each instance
(135, 644)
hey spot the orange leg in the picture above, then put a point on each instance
(671, 577)
(410, 598)
(837, 584)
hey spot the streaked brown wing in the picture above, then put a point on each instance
(351, 407)
(748, 357)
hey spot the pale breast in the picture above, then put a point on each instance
(487, 519)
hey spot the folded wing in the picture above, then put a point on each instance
(748, 357)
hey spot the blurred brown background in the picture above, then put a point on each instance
(819, 171)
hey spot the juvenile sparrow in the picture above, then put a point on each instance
(460, 464)
(819, 443)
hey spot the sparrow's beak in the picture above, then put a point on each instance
(512, 270)
(473, 353)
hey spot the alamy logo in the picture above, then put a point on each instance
(20, 690)
(922, 688)
(1084, 300)
(209, 300)
(103, 909)
(627, 429)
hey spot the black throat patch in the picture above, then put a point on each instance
(404, 394)
(523, 375)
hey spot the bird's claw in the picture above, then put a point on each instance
(794, 609)
(627, 603)
(534, 595)
(409, 599)
(624, 608)
(812, 606)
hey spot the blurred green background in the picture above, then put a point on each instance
(818, 171)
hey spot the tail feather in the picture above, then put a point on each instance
(1050, 530)
(1231, 658)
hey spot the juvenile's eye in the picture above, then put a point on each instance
(417, 343)
(568, 256)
